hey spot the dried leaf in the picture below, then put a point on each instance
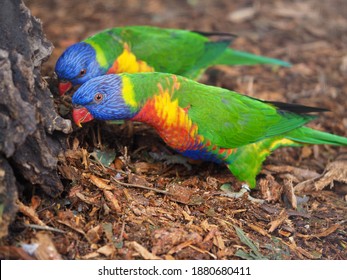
(105, 157)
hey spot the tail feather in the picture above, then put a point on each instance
(234, 57)
(308, 135)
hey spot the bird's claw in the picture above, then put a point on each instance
(244, 189)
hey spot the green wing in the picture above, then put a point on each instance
(174, 51)
(230, 120)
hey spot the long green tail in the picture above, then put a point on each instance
(234, 57)
(246, 162)
(308, 135)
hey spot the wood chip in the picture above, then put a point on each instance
(186, 216)
(335, 171)
(300, 173)
(289, 191)
(30, 212)
(280, 219)
(324, 233)
(258, 229)
(114, 204)
(284, 233)
(143, 251)
(270, 190)
(298, 250)
(12, 252)
(218, 241)
(100, 183)
(94, 234)
(203, 251)
(93, 255)
(108, 250)
(181, 246)
(46, 249)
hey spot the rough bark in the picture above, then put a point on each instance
(30, 129)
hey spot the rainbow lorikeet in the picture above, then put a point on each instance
(200, 121)
(148, 49)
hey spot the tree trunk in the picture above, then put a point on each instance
(30, 129)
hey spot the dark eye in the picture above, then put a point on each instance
(98, 97)
(82, 73)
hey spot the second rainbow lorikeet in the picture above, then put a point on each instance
(147, 49)
(200, 121)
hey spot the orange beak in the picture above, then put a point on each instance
(81, 115)
(64, 87)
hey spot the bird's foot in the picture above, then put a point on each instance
(171, 159)
(244, 189)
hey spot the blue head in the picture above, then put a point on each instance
(101, 98)
(77, 65)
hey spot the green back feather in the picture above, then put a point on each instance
(174, 51)
(167, 50)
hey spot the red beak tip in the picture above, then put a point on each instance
(81, 115)
(64, 87)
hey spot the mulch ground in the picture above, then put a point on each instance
(121, 202)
